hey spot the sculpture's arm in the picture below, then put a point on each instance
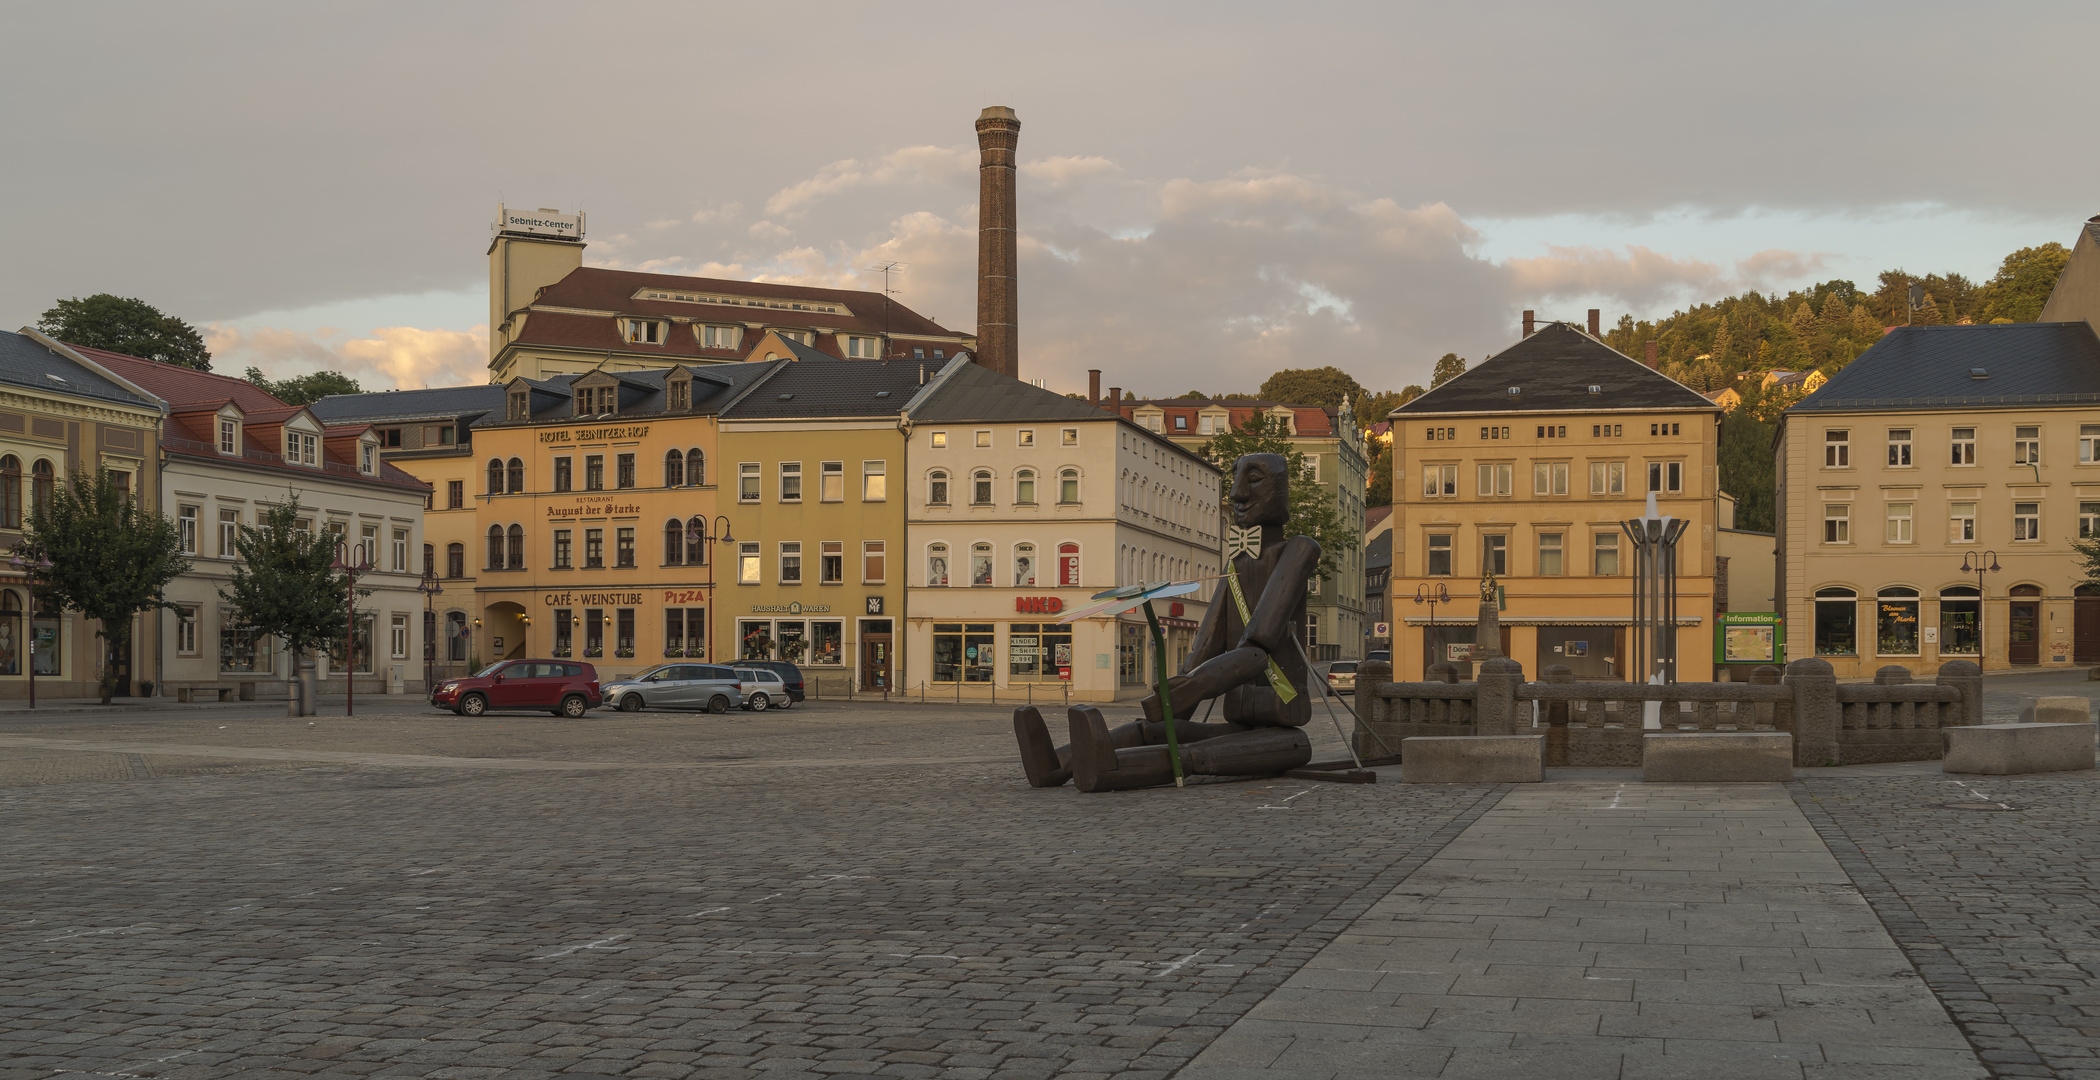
(1272, 624)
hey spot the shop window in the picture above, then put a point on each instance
(1961, 620)
(623, 632)
(1896, 622)
(1837, 622)
(455, 636)
(937, 565)
(242, 647)
(685, 632)
(1067, 564)
(1024, 566)
(827, 644)
(980, 564)
(1038, 652)
(1604, 559)
(791, 641)
(1439, 552)
(962, 652)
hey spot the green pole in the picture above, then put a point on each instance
(1166, 699)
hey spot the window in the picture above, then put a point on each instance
(241, 647)
(937, 487)
(397, 637)
(623, 471)
(674, 542)
(1068, 486)
(1439, 555)
(2027, 521)
(644, 332)
(696, 541)
(981, 488)
(455, 636)
(594, 472)
(790, 481)
(679, 395)
(831, 481)
(1312, 628)
(455, 494)
(1899, 448)
(1549, 478)
(562, 546)
(1068, 564)
(871, 562)
(791, 562)
(860, 348)
(1963, 443)
(980, 564)
(1899, 523)
(1024, 566)
(495, 476)
(455, 560)
(1038, 652)
(186, 529)
(1896, 622)
(685, 632)
(367, 457)
(42, 481)
(1024, 487)
(594, 549)
(940, 440)
(1181, 423)
(185, 630)
(1666, 476)
(962, 652)
(984, 438)
(229, 436)
(874, 484)
(1837, 523)
(2088, 519)
(1961, 522)
(1494, 554)
(674, 471)
(1604, 561)
(1665, 429)
(1607, 478)
(301, 448)
(1601, 431)
(721, 337)
(747, 481)
(594, 631)
(623, 547)
(1024, 437)
(1837, 449)
(368, 538)
(1960, 619)
(10, 492)
(831, 562)
(937, 565)
(2027, 444)
(439, 436)
(695, 468)
(1552, 431)
(1070, 436)
(1837, 622)
(1439, 481)
(430, 560)
(747, 568)
(1549, 554)
(400, 550)
(2089, 444)
(495, 547)
(1495, 479)
(1206, 425)
(516, 538)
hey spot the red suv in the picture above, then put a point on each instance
(562, 687)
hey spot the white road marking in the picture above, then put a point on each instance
(599, 944)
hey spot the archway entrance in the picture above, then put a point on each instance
(503, 630)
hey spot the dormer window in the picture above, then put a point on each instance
(799, 337)
(520, 405)
(720, 337)
(368, 458)
(642, 331)
(679, 395)
(229, 436)
(862, 348)
(301, 448)
(597, 400)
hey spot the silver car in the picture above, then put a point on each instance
(763, 689)
(1341, 676)
(684, 687)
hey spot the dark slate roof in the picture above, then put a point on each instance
(437, 401)
(1927, 366)
(831, 388)
(1379, 552)
(1556, 368)
(978, 394)
(24, 361)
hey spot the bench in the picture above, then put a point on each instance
(243, 690)
(2012, 749)
(1718, 757)
(1473, 759)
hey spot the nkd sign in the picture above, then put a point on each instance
(1038, 605)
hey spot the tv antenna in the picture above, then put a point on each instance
(886, 269)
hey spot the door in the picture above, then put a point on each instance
(2085, 629)
(680, 687)
(512, 687)
(2024, 639)
(874, 661)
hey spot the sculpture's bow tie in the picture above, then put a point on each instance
(1243, 539)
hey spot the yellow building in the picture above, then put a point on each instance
(1525, 466)
(1940, 448)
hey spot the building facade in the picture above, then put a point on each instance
(1524, 467)
(1023, 504)
(1335, 453)
(1940, 448)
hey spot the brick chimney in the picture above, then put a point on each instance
(998, 295)
(1594, 316)
(1527, 322)
(1114, 401)
(1093, 387)
(1651, 352)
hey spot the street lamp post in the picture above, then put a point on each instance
(696, 539)
(1423, 595)
(29, 569)
(1977, 558)
(430, 587)
(352, 561)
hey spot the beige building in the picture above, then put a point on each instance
(1525, 466)
(1942, 446)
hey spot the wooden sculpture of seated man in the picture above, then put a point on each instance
(1262, 732)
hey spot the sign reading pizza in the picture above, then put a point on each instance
(1039, 605)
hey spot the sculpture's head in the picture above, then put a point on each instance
(1261, 490)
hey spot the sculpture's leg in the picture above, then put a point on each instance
(1260, 752)
(1045, 764)
(1098, 764)
(1210, 679)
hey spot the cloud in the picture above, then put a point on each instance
(1645, 278)
(389, 357)
(915, 164)
(1060, 171)
(766, 230)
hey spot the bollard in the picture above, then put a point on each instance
(1814, 686)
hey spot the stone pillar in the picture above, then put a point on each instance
(998, 291)
(1767, 712)
(1487, 633)
(1495, 701)
(1966, 675)
(1557, 715)
(1814, 684)
(1372, 705)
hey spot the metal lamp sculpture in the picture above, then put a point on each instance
(1654, 642)
(1247, 652)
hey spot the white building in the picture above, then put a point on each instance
(229, 451)
(1022, 505)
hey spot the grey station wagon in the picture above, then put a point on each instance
(684, 687)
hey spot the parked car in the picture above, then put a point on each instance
(691, 687)
(789, 674)
(562, 687)
(763, 688)
(1383, 656)
(1341, 676)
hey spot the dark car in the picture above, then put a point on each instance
(789, 674)
(562, 687)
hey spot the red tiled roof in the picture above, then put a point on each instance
(181, 385)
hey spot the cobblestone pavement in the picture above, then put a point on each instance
(1999, 910)
(900, 915)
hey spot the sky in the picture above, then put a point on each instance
(1209, 191)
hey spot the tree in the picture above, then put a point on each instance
(129, 326)
(1379, 490)
(283, 584)
(110, 559)
(1314, 512)
(2017, 292)
(1745, 457)
(305, 389)
(1325, 387)
(1448, 367)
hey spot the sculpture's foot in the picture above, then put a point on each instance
(1097, 764)
(1045, 765)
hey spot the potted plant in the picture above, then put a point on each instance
(793, 650)
(625, 652)
(594, 650)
